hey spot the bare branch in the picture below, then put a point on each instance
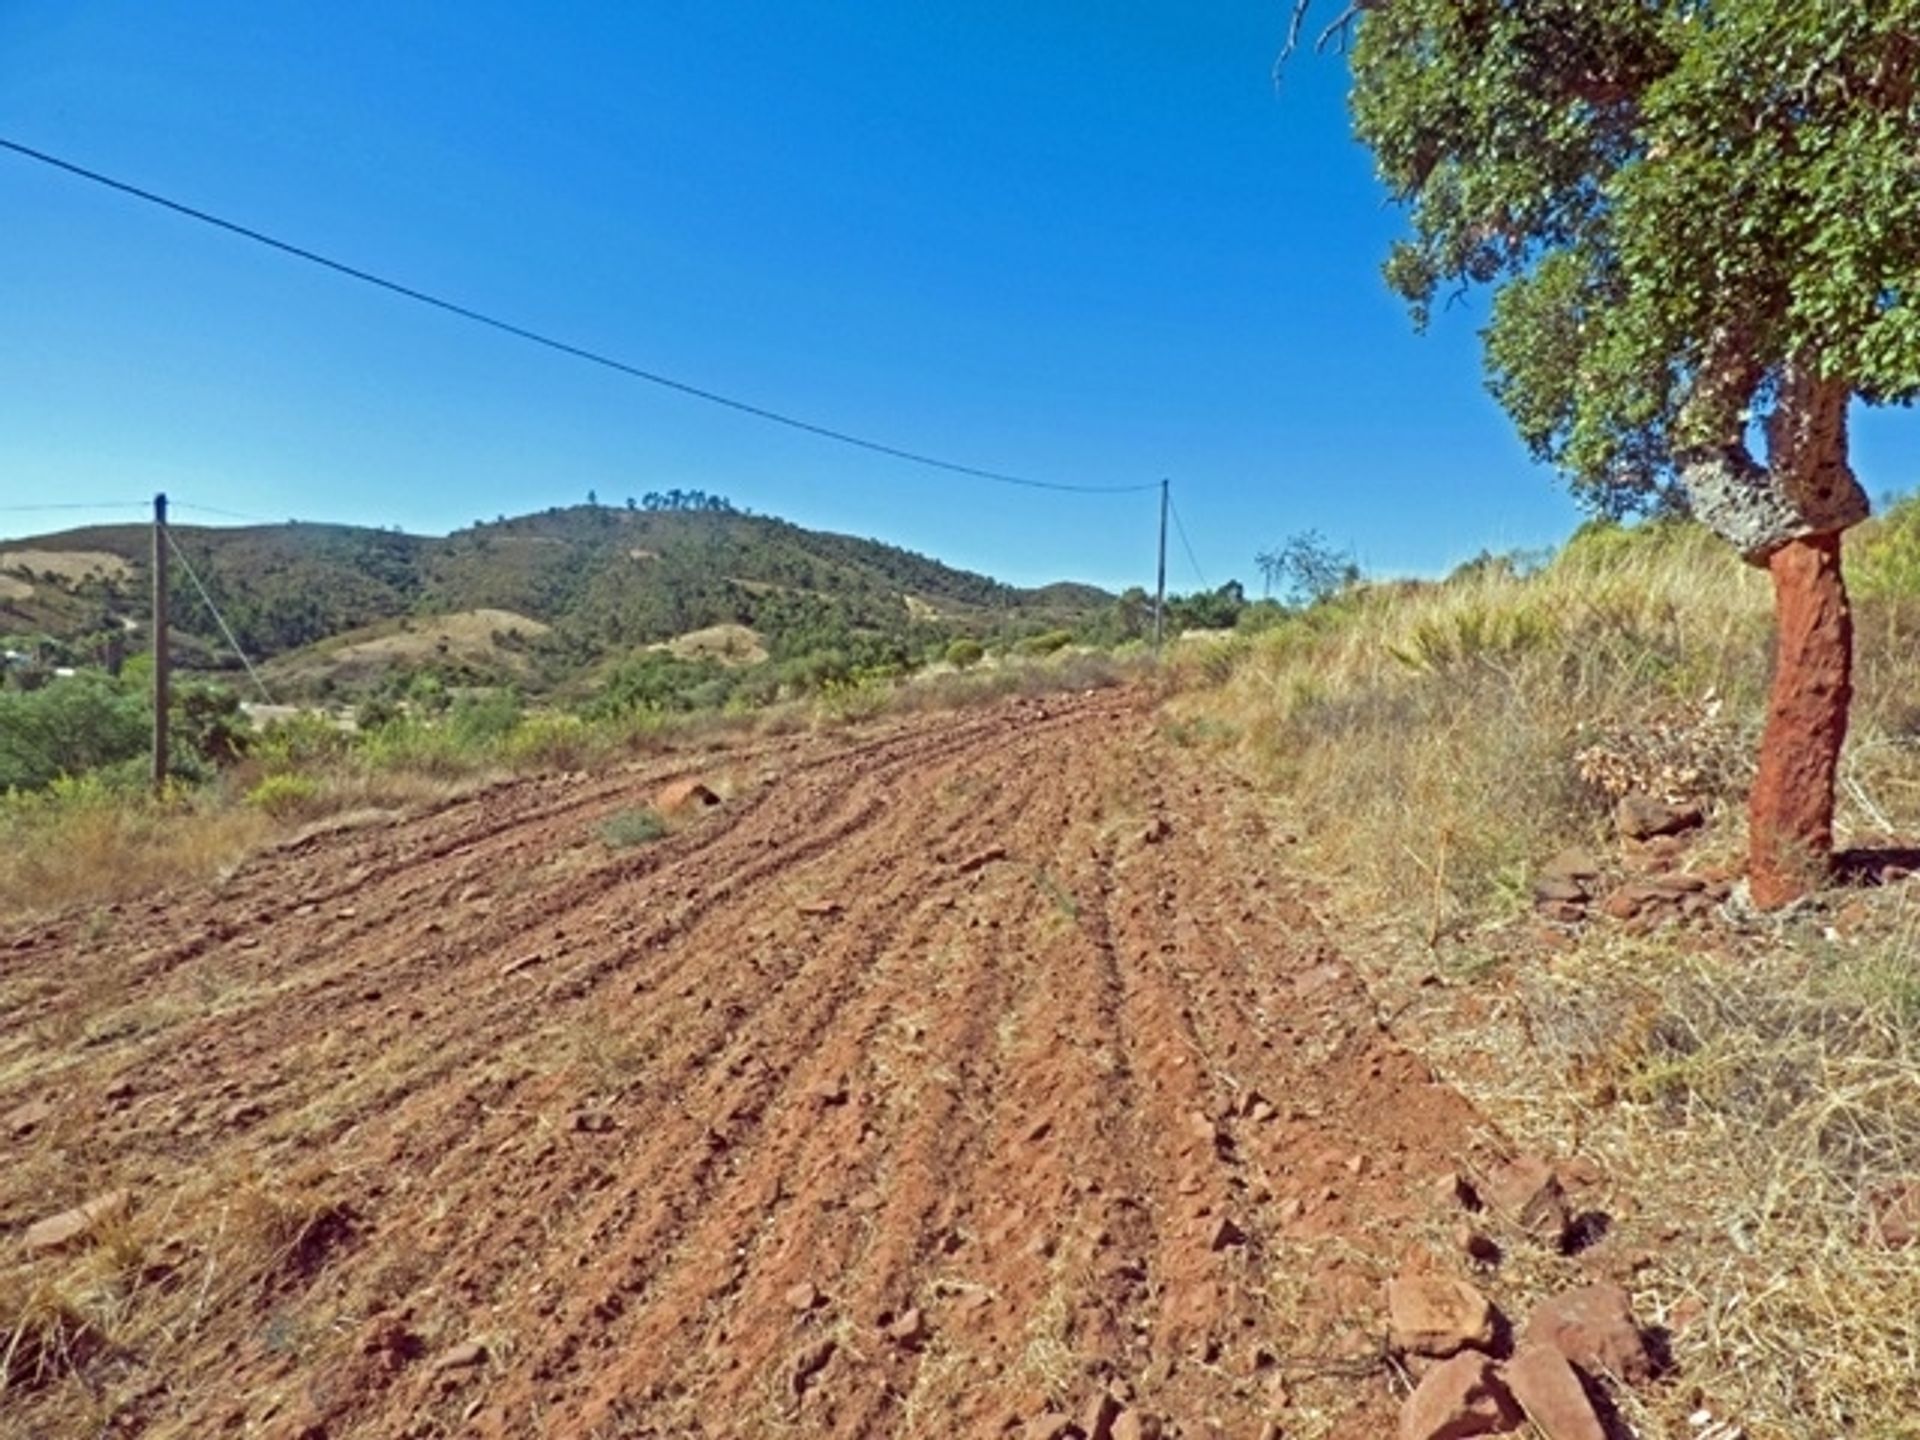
(1296, 24)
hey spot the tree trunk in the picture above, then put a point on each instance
(1790, 812)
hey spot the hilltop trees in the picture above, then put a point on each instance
(1701, 223)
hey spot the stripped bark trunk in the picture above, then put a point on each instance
(1790, 810)
(1788, 516)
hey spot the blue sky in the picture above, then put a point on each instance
(1086, 242)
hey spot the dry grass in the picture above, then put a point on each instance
(87, 845)
(1746, 1088)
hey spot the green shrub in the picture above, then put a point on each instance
(285, 796)
(480, 720)
(552, 742)
(657, 680)
(301, 740)
(632, 827)
(1046, 643)
(965, 653)
(1883, 556)
(69, 726)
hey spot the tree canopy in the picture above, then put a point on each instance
(1695, 214)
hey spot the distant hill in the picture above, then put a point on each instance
(562, 590)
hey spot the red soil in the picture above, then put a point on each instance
(1008, 1018)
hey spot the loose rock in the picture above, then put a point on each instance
(461, 1357)
(1550, 1391)
(1459, 1398)
(809, 1363)
(1223, 1234)
(1572, 865)
(1593, 1327)
(909, 1329)
(1528, 1193)
(686, 794)
(1097, 1420)
(1437, 1315)
(56, 1232)
(802, 1297)
(1641, 817)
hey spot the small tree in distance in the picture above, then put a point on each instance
(1701, 221)
(1308, 569)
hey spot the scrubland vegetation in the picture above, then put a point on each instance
(1753, 1080)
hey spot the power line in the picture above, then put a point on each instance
(218, 618)
(1187, 545)
(228, 514)
(579, 352)
(76, 505)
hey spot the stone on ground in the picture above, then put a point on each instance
(1549, 1390)
(1527, 1192)
(1593, 1327)
(1437, 1315)
(1641, 817)
(58, 1231)
(1458, 1399)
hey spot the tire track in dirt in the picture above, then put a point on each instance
(998, 1032)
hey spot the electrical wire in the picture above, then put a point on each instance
(216, 510)
(218, 618)
(579, 352)
(1187, 544)
(76, 505)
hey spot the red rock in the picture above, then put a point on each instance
(1790, 808)
(1572, 864)
(1552, 1395)
(1437, 1315)
(909, 1328)
(1641, 817)
(1096, 1422)
(809, 1363)
(1132, 1425)
(1557, 889)
(1459, 1398)
(461, 1357)
(1048, 1427)
(56, 1232)
(1224, 1235)
(1593, 1327)
(1527, 1192)
(688, 794)
(802, 1297)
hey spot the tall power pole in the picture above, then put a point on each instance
(1160, 589)
(160, 659)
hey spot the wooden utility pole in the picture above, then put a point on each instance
(160, 658)
(1160, 589)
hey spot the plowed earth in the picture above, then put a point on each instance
(470, 1124)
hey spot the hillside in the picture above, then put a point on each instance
(570, 587)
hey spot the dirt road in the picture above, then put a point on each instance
(945, 1075)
